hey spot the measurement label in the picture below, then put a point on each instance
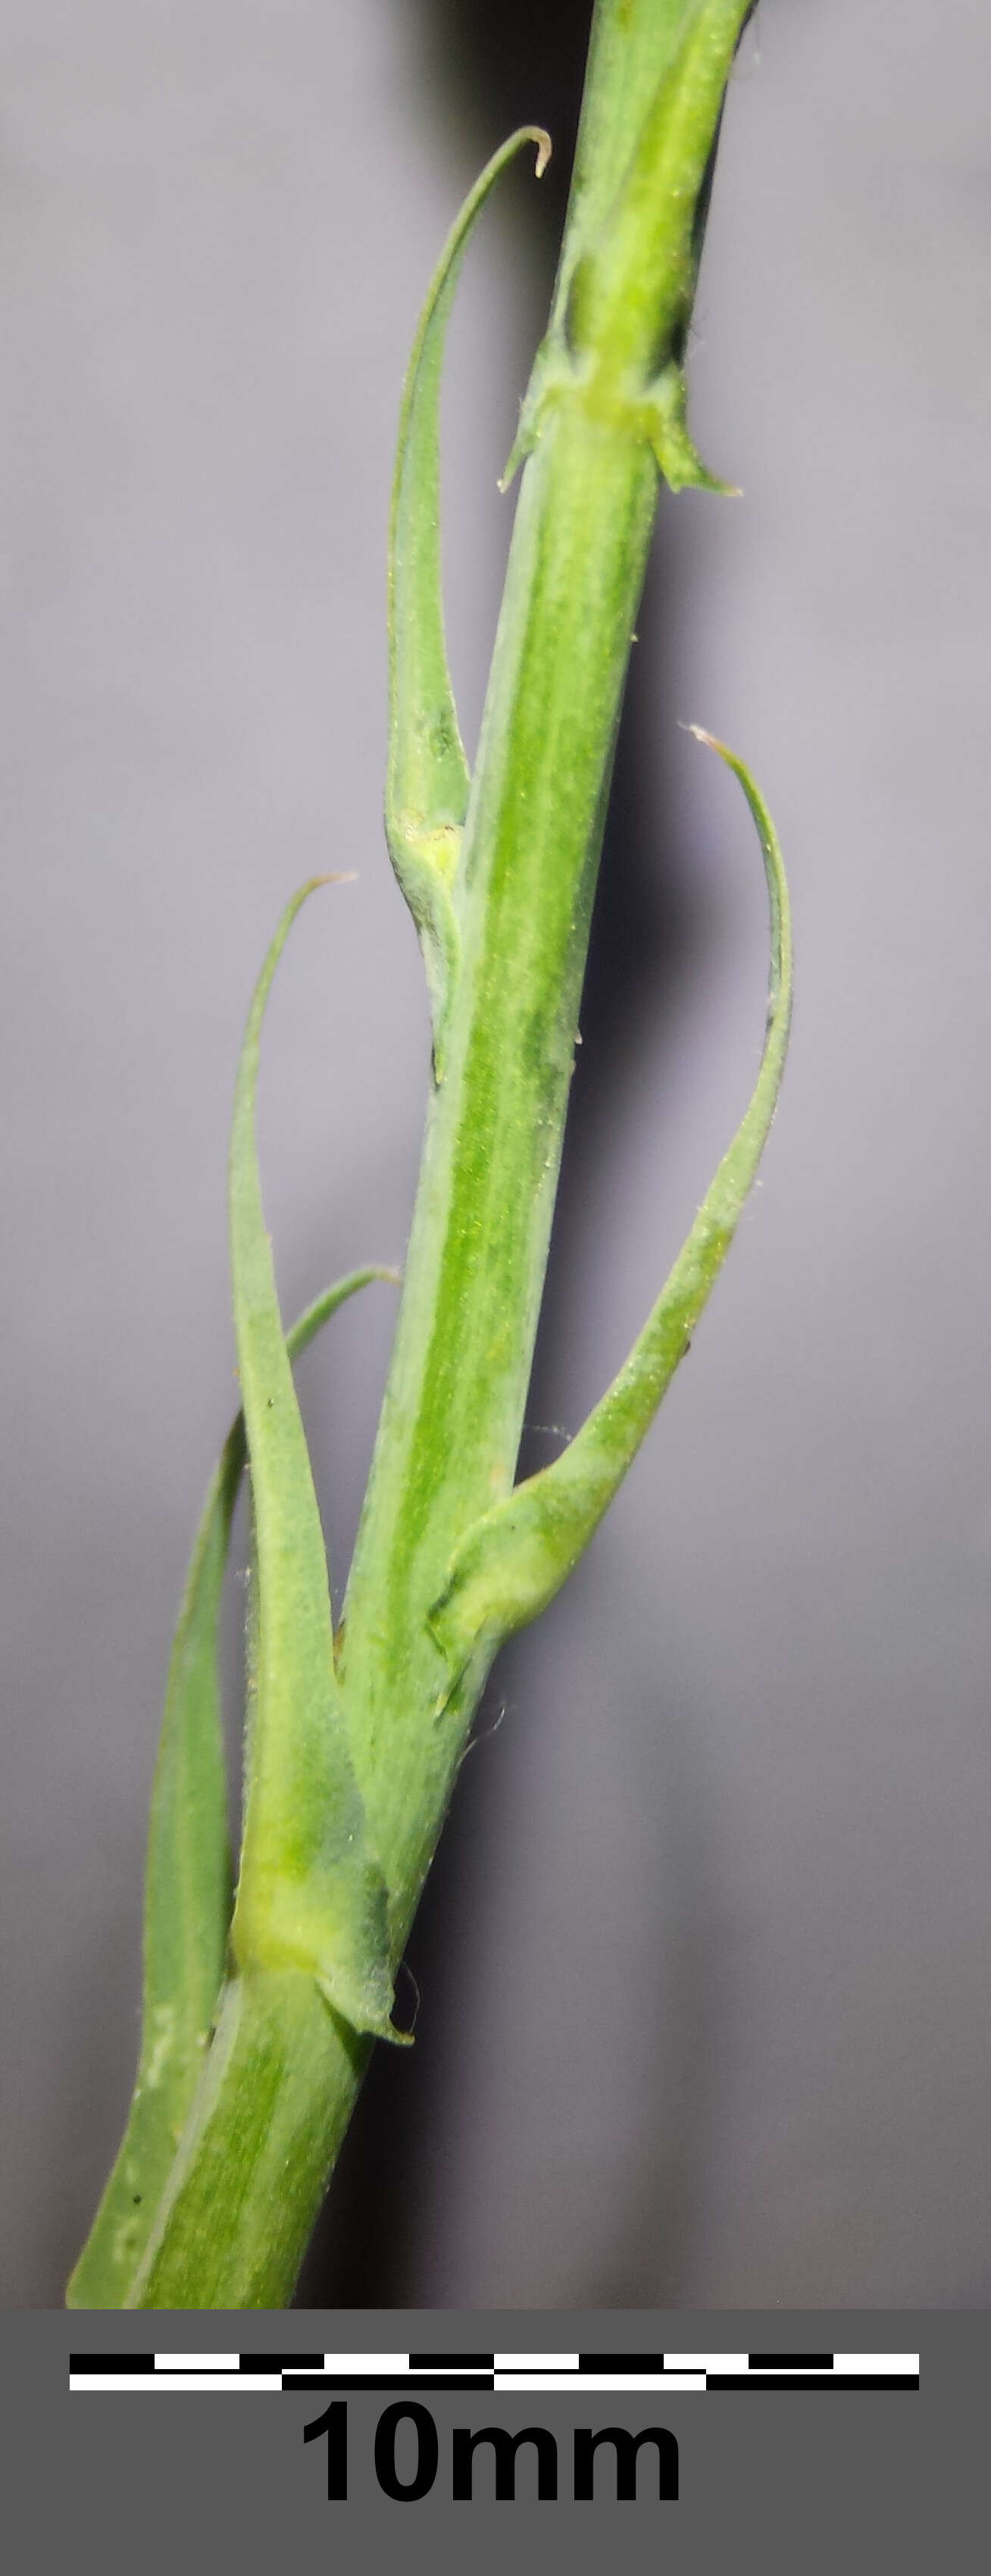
(401, 2445)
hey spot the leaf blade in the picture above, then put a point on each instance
(310, 1892)
(188, 1878)
(427, 778)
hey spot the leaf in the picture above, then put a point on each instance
(512, 1562)
(187, 1878)
(310, 1891)
(427, 780)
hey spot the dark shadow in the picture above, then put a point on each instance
(490, 65)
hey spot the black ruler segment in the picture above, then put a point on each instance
(93, 2365)
(623, 2364)
(790, 2360)
(452, 2361)
(268, 2362)
(405, 2383)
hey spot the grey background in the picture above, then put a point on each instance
(704, 1965)
(856, 2481)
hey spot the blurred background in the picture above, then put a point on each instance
(705, 1962)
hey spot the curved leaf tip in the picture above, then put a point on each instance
(427, 780)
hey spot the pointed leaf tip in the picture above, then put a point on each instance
(427, 780)
(310, 1892)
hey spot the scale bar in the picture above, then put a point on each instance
(500, 2373)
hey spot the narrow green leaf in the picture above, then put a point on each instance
(427, 780)
(187, 1878)
(310, 1891)
(514, 1560)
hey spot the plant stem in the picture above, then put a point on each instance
(279, 2086)
(454, 1406)
(284, 2070)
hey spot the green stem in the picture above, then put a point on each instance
(607, 406)
(453, 1410)
(278, 2090)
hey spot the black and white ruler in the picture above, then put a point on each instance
(507, 2373)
